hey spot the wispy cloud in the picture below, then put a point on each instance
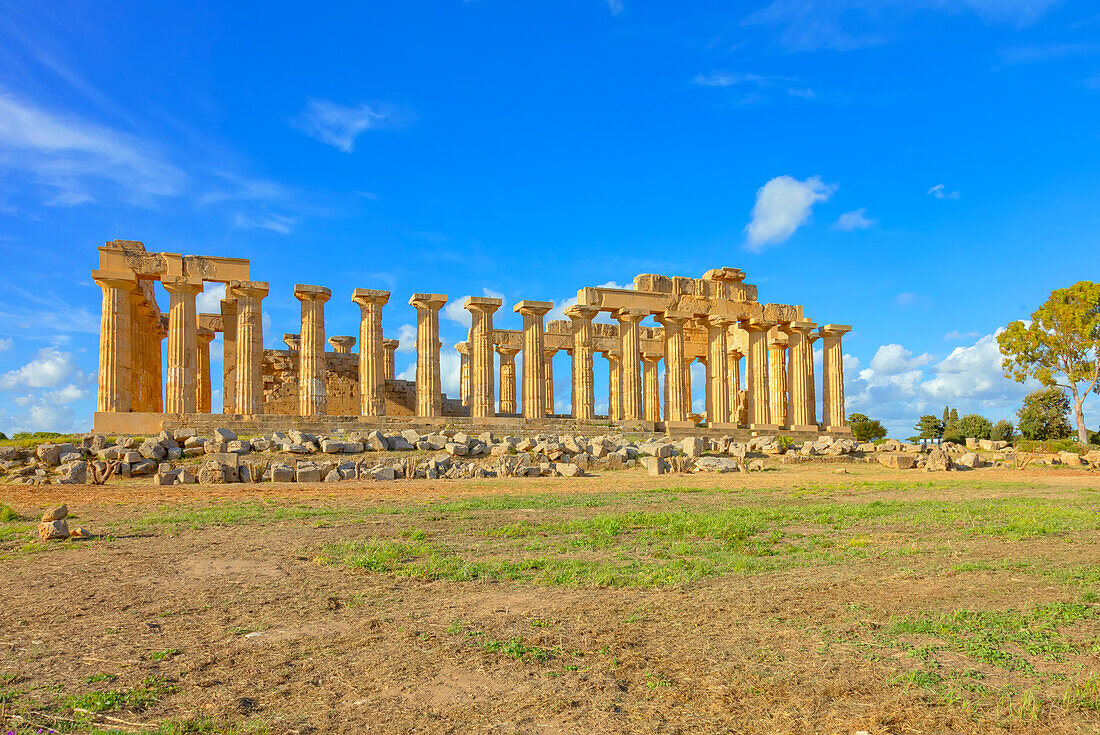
(281, 223)
(939, 191)
(955, 335)
(755, 87)
(855, 220)
(1035, 53)
(782, 206)
(615, 6)
(339, 125)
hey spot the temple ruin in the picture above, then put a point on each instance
(715, 320)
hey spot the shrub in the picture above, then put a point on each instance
(1044, 415)
(866, 429)
(1003, 431)
(974, 426)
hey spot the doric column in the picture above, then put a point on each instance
(138, 362)
(159, 332)
(115, 333)
(203, 388)
(632, 407)
(429, 385)
(651, 388)
(677, 373)
(463, 350)
(718, 384)
(734, 356)
(482, 400)
(832, 380)
(548, 377)
(534, 375)
(229, 352)
(614, 385)
(777, 379)
(292, 341)
(372, 368)
(584, 384)
(312, 394)
(757, 378)
(182, 345)
(389, 361)
(341, 344)
(811, 381)
(249, 390)
(800, 408)
(507, 379)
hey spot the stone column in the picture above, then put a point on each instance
(534, 375)
(115, 333)
(138, 362)
(677, 367)
(293, 342)
(757, 378)
(584, 384)
(249, 391)
(203, 388)
(229, 353)
(800, 408)
(548, 372)
(389, 361)
(630, 343)
(507, 379)
(463, 350)
(341, 344)
(614, 385)
(734, 356)
(777, 379)
(690, 408)
(651, 388)
(429, 385)
(482, 399)
(832, 380)
(372, 368)
(718, 382)
(157, 352)
(182, 345)
(312, 394)
(811, 380)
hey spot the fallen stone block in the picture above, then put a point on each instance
(897, 460)
(53, 530)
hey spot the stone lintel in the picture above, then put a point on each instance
(533, 308)
(370, 296)
(306, 292)
(431, 301)
(213, 322)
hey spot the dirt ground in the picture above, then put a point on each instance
(795, 600)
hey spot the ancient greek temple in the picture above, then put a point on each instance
(715, 320)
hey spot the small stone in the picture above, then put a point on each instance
(80, 532)
(53, 530)
(56, 514)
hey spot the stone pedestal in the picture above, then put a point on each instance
(482, 399)
(632, 407)
(429, 385)
(372, 348)
(312, 393)
(249, 391)
(833, 378)
(508, 379)
(534, 375)
(182, 345)
(584, 384)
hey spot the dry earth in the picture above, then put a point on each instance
(791, 601)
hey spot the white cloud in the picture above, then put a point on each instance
(893, 359)
(450, 371)
(280, 223)
(558, 312)
(782, 206)
(68, 158)
(491, 294)
(906, 298)
(615, 6)
(47, 370)
(756, 87)
(337, 125)
(454, 312)
(5, 343)
(855, 220)
(406, 334)
(210, 300)
(954, 335)
(940, 192)
(49, 417)
(69, 394)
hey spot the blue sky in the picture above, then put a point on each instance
(924, 170)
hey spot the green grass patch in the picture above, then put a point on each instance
(136, 699)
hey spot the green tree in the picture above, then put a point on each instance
(974, 426)
(866, 429)
(1060, 346)
(1003, 431)
(1044, 415)
(929, 427)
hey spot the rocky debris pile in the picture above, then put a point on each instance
(55, 527)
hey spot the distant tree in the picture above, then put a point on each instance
(1003, 431)
(974, 426)
(3, 437)
(1060, 347)
(1044, 415)
(866, 429)
(929, 427)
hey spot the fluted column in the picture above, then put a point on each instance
(138, 362)
(614, 385)
(156, 353)
(799, 376)
(463, 350)
(718, 384)
(182, 346)
(651, 388)
(312, 393)
(677, 375)
(389, 359)
(534, 375)
(372, 368)
(687, 386)
(482, 399)
(507, 379)
(249, 390)
(584, 384)
(115, 334)
(777, 379)
(229, 352)
(203, 388)
(629, 339)
(429, 384)
(733, 356)
(833, 377)
(811, 379)
(548, 377)
(341, 344)
(757, 378)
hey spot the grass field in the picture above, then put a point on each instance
(792, 601)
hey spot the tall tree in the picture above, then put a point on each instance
(1060, 346)
(1043, 415)
(929, 427)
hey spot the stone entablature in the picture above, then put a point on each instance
(758, 357)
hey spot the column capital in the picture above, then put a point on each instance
(428, 301)
(718, 321)
(778, 343)
(342, 342)
(674, 318)
(736, 353)
(612, 354)
(462, 348)
(653, 357)
(253, 289)
(181, 286)
(391, 344)
(550, 351)
(305, 292)
(115, 279)
(293, 341)
(756, 325)
(204, 335)
(532, 308)
(577, 312)
(506, 352)
(834, 330)
(364, 296)
(482, 304)
(630, 314)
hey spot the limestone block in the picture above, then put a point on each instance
(56, 513)
(174, 454)
(1093, 457)
(126, 442)
(71, 457)
(399, 443)
(80, 533)
(383, 473)
(144, 467)
(1070, 459)
(332, 446)
(182, 435)
(971, 443)
(194, 441)
(296, 449)
(897, 460)
(53, 530)
(224, 435)
(74, 473)
(716, 464)
(654, 466)
(411, 436)
(455, 449)
(307, 472)
(568, 469)
(281, 472)
(969, 460)
(238, 446)
(333, 476)
(187, 477)
(166, 476)
(211, 475)
(692, 446)
(166, 439)
(376, 441)
(49, 453)
(214, 447)
(938, 461)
